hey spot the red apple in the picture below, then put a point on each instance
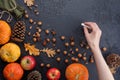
(28, 62)
(53, 74)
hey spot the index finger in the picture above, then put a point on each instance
(91, 24)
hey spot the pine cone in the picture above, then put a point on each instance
(18, 33)
(34, 75)
(113, 60)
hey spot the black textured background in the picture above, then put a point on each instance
(65, 16)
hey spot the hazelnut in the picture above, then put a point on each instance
(72, 43)
(66, 61)
(37, 34)
(34, 23)
(87, 47)
(34, 39)
(30, 27)
(58, 59)
(37, 13)
(38, 39)
(47, 31)
(39, 23)
(53, 32)
(58, 50)
(25, 11)
(44, 43)
(72, 52)
(76, 49)
(84, 58)
(29, 33)
(86, 62)
(31, 20)
(35, 10)
(38, 29)
(81, 45)
(76, 59)
(47, 39)
(53, 40)
(79, 55)
(66, 44)
(69, 55)
(48, 65)
(91, 60)
(26, 16)
(72, 58)
(42, 64)
(104, 49)
(62, 37)
(64, 52)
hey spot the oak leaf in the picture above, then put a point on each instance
(49, 52)
(29, 2)
(31, 48)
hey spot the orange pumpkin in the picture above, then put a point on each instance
(76, 71)
(5, 32)
(13, 71)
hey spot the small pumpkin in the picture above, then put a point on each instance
(10, 52)
(13, 71)
(5, 32)
(76, 71)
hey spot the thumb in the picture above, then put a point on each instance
(86, 31)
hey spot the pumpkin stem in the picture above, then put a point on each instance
(77, 77)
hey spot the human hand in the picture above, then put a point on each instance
(93, 37)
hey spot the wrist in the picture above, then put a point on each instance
(95, 48)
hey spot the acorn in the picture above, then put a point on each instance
(72, 58)
(53, 32)
(31, 20)
(26, 16)
(104, 49)
(54, 40)
(44, 43)
(66, 44)
(58, 59)
(30, 27)
(29, 33)
(48, 40)
(34, 39)
(58, 50)
(76, 60)
(81, 45)
(62, 37)
(64, 52)
(84, 58)
(48, 65)
(66, 60)
(87, 47)
(47, 31)
(72, 43)
(39, 23)
(42, 64)
(72, 39)
(79, 55)
(76, 49)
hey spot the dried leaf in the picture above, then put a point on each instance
(49, 52)
(29, 2)
(32, 50)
